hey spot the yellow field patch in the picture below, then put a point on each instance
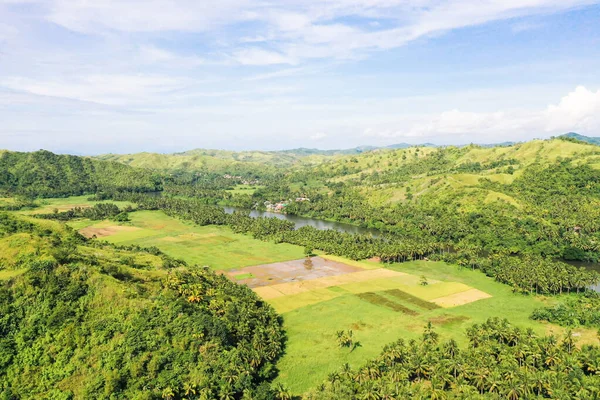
(292, 288)
(459, 299)
(289, 303)
(359, 264)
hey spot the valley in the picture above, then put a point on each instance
(409, 241)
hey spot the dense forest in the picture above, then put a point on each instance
(44, 174)
(91, 320)
(579, 311)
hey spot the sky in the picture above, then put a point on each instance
(125, 76)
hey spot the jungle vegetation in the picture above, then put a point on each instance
(87, 319)
(579, 311)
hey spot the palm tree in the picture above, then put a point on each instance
(281, 393)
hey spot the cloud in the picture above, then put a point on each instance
(579, 111)
(155, 55)
(318, 136)
(110, 89)
(257, 56)
(295, 30)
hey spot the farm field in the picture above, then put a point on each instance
(67, 203)
(245, 189)
(215, 246)
(382, 310)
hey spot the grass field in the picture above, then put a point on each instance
(244, 189)
(378, 315)
(64, 204)
(215, 246)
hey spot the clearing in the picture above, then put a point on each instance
(214, 246)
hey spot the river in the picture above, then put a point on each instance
(348, 228)
(590, 266)
(305, 221)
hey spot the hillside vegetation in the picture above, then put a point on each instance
(82, 319)
(245, 163)
(44, 174)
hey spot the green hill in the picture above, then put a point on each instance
(581, 138)
(81, 319)
(217, 161)
(44, 174)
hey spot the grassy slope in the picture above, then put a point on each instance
(212, 160)
(536, 151)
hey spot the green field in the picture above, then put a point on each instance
(64, 204)
(245, 189)
(215, 246)
(312, 352)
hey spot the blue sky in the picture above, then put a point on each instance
(91, 77)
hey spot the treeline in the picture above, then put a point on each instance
(97, 212)
(354, 246)
(526, 274)
(580, 311)
(44, 174)
(501, 361)
(79, 324)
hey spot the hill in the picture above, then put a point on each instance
(245, 163)
(44, 174)
(581, 138)
(83, 319)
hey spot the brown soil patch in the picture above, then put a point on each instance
(106, 231)
(292, 271)
(375, 259)
(290, 288)
(459, 299)
(446, 319)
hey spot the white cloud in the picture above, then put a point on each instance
(155, 55)
(579, 111)
(112, 89)
(146, 15)
(257, 56)
(318, 136)
(298, 29)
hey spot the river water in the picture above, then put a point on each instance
(348, 228)
(590, 266)
(305, 221)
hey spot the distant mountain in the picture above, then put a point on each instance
(302, 151)
(582, 138)
(407, 145)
